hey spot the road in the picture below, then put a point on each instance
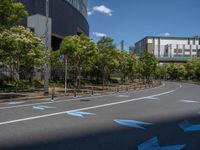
(165, 117)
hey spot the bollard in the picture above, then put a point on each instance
(75, 93)
(92, 90)
(127, 88)
(53, 93)
(117, 89)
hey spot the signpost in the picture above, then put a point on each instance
(65, 73)
(64, 58)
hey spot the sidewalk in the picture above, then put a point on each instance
(59, 92)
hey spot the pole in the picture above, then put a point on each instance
(65, 76)
(46, 66)
(122, 45)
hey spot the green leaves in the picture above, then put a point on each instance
(193, 69)
(81, 51)
(22, 47)
(148, 64)
(10, 13)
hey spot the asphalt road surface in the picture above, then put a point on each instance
(162, 118)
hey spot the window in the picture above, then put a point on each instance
(194, 50)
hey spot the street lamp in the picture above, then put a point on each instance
(46, 66)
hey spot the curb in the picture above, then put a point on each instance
(59, 96)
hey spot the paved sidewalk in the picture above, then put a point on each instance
(59, 93)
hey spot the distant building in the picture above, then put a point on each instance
(169, 48)
(66, 18)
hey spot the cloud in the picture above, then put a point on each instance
(167, 34)
(99, 34)
(103, 9)
(89, 13)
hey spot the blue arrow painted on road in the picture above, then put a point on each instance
(187, 101)
(42, 107)
(151, 97)
(153, 144)
(79, 113)
(133, 123)
(188, 127)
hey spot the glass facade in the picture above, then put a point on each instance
(80, 5)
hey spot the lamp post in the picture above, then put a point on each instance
(46, 66)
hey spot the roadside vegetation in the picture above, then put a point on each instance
(189, 71)
(89, 63)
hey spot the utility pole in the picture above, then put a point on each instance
(122, 45)
(46, 66)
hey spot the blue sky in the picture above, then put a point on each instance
(131, 20)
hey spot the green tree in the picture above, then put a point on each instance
(57, 67)
(11, 12)
(107, 61)
(81, 52)
(161, 71)
(148, 64)
(21, 49)
(127, 64)
(193, 69)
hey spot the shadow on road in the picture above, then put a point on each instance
(168, 133)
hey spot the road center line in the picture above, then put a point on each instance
(82, 109)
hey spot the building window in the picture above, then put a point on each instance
(194, 50)
(198, 53)
(188, 41)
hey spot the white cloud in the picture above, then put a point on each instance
(89, 13)
(103, 9)
(167, 34)
(99, 34)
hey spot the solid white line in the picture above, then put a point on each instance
(82, 109)
(61, 101)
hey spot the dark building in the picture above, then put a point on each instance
(67, 17)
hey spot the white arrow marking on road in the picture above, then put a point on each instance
(187, 101)
(15, 103)
(81, 109)
(42, 107)
(79, 113)
(153, 144)
(122, 95)
(133, 123)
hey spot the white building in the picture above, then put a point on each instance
(169, 47)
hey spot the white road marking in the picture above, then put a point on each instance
(61, 101)
(82, 109)
(188, 101)
(15, 103)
